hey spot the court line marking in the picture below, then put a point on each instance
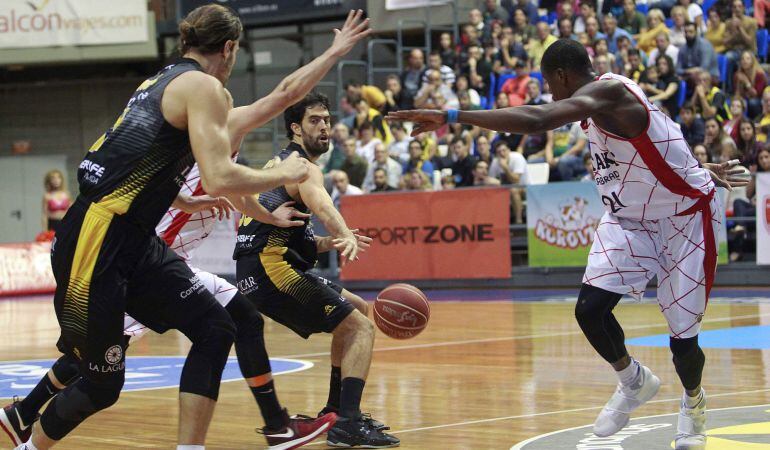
(521, 444)
(523, 337)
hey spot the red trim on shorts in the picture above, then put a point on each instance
(180, 220)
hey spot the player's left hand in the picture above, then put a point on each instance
(728, 174)
(286, 216)
(424, 119)
(352, 31)
(220, 207)
(363, 242)
(347, 248)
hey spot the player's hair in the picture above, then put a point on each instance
(296, 112)
(567, 55)
(207, 28)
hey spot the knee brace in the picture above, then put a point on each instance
(688, 360)
(66, 370)
(77, 402)
(593, 312)
(249, 338)
(212, 335)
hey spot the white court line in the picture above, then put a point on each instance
(567, 411)
(529, 336)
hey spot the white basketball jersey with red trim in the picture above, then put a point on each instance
(651, 176)
(184, 232)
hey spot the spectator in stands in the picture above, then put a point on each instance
(663, 92)
(709, 100)
(381, 181)
(697, 54)
(516, 88)
(534, 93)
(396, 98)
(763, 120)
(592, 30)
(382, 161)
(587, 44)
(399, 148)
(740, 35)
(537, 147)
(492, 11)
(601, 49)
(624, 46)
(354, 165)
(720, 146)
(511, 168)
(447, 182)
(656, 24)
(737, 107)
(416, 180)
(496, 34)
(537, 45)
(342, 187)
(481, 175)
(587, 11)
(588, 165)
(367, 114)
(676, 32)
(461, 85)
(746, 142)
(483, 150)
(426, 97)
(632, 20)
(501, 100)
(366, 142)
(464, 100)
(529, 8)
(634, 68)
(715, 31)
(462, 167)
(435, 63)
(478, 66)
(417, 159)
(336, 156)
(749, 82)
(411, 77)
(56, 200)
(566, 29)
(522, 28)
(569, 144)
(372, 94)
(663, 46)
(700, 153)
(748, 207)
(602, 64)
(476, 18)
(693, 128)
(613, 32)
(447, 50)
(511, 50)
(694, 12)
(469, 36)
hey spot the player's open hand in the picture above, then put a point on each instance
(220, 207)
(347, 248)
(364, 242)
(728, 174)
(351, 33)
(424, 119)
(286, 216)
(294, 168)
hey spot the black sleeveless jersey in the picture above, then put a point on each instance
(137, 167)
(295, 244)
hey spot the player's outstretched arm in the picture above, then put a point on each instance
(316, 198)
(295, 86)
(587, 101)
(207, 107)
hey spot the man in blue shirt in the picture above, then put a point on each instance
(613, 33)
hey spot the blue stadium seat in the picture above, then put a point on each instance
(502, 79)
(707, 4)
(762, 37)
(681, 94)
(538, 76)
(670, 23)
(643, 8)
(722, 63)
(749, 5)
(483, 102)
(491, 93)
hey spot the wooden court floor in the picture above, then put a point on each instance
(484, 375)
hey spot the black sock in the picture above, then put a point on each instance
(269, 406)
(335, 386)
(31, 405)
(350, 397)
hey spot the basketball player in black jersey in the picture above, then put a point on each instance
(272, 271)
(106, 257)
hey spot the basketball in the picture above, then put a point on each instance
(401, 311)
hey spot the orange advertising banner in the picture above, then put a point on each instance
(462, 233)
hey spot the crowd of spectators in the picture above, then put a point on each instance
(700, 65)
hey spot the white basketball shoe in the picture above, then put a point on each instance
(624, 401)
(691, 427)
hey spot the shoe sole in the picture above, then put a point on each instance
(341, 445)
(656, 383)
(5, 424)
(297, 443)
(691, 447)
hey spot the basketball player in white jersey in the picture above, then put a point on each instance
(185, 225)
(661, 219)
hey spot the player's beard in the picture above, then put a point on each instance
(315, 147)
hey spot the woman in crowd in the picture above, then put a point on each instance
(701, 154)
(656, 24)
(720, 146)
(56, 200)
(747, 142)
(737, 108)
(750, 81)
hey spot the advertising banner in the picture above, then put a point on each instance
(462, 233)
(277, 12)
(391, 5)
(26, 269)
(55, 23)
(763, 218)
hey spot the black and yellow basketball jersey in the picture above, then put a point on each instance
(136, 168)
(295, 245)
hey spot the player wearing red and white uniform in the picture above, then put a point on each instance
(661, 219)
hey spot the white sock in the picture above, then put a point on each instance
(692, 402)
(27, 446)
(630, 375)
(190, 447)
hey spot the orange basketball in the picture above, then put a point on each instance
(401, 311)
